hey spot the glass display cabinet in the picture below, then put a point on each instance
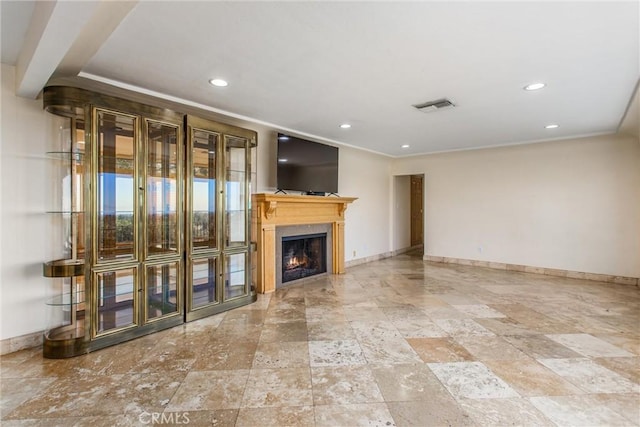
(65, 303)
(161, 203)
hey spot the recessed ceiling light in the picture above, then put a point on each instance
(218, 82)
(406, 146)
(283, 160)
(283, 138)
(552, 126)
(534, 86)
(345, 126)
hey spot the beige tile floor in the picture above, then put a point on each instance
(395, 342)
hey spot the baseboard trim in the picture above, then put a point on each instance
(13, 344)
(378, 257)
(621, 280)
(368, 259)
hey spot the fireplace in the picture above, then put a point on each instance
(303, 256)
(276, 215)
(302, 251)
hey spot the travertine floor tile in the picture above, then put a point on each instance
(278, 387)
(375, 330)
(210, 390)
(540, 347)
(402, 311)
(463, 328)
(628, 367)
(330, 331)
(530, 378)
(15, 391)
(226, 355)
(504, 412)
(285, 315)
(218, 418)
(578, 411)
(71, 397)
(400, 383)
(631, 343)
(490, 348)
(471, 380)
(590, 376)
(282, 332)
(335, 353)
(294, 416)
(438, 410)
(361, 414)
(419, 327)
(505, 326)
(479, 311)
(388, 350)
(364, 314)
(457, 299)
(588, 345)
(325, 314)
(625, 404)
(438, 312)
(282, 355)
(344, 385)
(439, 350)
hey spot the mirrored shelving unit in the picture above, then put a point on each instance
(151, 212)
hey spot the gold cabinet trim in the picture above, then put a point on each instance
(63, 268)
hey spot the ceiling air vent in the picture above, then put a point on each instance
(438, 104)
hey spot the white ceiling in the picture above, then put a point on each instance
(307, 67)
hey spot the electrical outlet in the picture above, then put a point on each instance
(354, 254)
(480, 249)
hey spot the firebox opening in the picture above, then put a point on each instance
(303, 256)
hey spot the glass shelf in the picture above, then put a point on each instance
(64, 300)
(76, 156)
(117, 294)
(65, 212)
(67, 332)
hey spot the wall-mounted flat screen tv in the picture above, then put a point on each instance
(306, 166)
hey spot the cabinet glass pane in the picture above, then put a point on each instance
(203, 282)
(203, 200)
(115, 299)
(235, 282)
(65, 309)
(162, 196)
(116, 186)
(77, 190)
(236, 204)
(162, 288)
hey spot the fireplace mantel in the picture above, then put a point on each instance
(272, 210)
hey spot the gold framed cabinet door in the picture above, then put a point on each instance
(218, 205)
(136, 227)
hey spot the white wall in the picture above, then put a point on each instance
(401, 221)
(572, 204)
(24, 223)
(366, 176)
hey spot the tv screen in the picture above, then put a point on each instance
(306, 166)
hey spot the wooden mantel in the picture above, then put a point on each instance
(272, 210)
